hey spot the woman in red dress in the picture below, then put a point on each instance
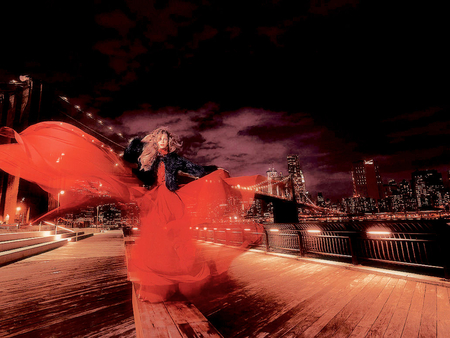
(164, 256)
(58, 156)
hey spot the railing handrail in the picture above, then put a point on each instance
(410, 250)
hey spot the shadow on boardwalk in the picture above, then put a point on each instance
(79, 290)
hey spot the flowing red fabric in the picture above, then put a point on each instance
(58, 156)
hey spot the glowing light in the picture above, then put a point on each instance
(205, 228)
(77, 107)
(228, 229)
(379, 232)
(135, 228)
(89, 114)
(274, 230)
(117, 164)
(50, 223)
(100, 121)
(246, 229)
(18, 208)
(196, 228)
(110, 128)
(62, 154)
(64, 98)
(62, 192)
(69, 239)
(315, 231)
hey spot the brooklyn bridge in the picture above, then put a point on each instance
(302, 277)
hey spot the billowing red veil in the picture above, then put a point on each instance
(59, 156)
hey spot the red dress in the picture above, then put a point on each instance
(58, 156)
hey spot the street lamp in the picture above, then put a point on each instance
(60, 193)
(18, 212)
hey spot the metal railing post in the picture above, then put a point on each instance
(301, 247)
(444, 240)
(353, 241)
(267, 240)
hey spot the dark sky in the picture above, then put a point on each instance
(247, 82)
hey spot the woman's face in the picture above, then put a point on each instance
(163, 141)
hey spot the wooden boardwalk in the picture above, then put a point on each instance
(273, 296)
(79, 290)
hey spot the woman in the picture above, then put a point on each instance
(164, 256)
(58, 156)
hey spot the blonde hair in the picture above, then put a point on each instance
(150, 149)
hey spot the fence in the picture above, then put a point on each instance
(417, 245)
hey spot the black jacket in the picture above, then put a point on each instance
(172, 162)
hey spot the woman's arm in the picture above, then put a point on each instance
(134, 150)
(191, 168)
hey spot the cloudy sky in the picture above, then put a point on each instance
(246, 83)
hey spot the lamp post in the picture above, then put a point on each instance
(18, 212)
(59, 194)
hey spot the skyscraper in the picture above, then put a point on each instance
(427, 187)
(367, 180)
(298, 179)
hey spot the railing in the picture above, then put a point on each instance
(417, 250)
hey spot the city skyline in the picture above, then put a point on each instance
(247, 84)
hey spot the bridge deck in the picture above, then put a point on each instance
(79, 290)
(273, 296)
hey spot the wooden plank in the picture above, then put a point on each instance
(372, 314)
(443, 312)
(190, 320)
(428, 320)
(412, 325)
(380, 325)
(156, 321)
(346, 320)
(337, 305)
(199, 330)
(397, 323)
(184, 312)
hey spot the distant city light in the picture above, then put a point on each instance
(313, 231)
